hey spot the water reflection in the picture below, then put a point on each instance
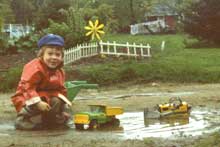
(197, 123)
(172, 121)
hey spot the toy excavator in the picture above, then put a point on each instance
(174, 108)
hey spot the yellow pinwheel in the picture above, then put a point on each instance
(95, 29)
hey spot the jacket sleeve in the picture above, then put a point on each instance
(30, 78)
(63, 89)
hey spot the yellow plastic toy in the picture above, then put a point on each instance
(97, 116)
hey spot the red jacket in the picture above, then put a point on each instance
(37, 81)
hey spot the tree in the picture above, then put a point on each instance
(23, 10)
(6, 14)
(202, 21)
(129, 13)
(132, 11)
(50, 9)
(72, 29)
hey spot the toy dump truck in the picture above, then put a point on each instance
(97, 116)
(174, 108)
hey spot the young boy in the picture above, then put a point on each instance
(41, 96)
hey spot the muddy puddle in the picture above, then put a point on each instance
(133, 126)
(200, 121)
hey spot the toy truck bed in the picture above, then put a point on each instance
(111, 111)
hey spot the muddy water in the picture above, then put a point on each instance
(200, 121)
(133, 126)
(6, 129)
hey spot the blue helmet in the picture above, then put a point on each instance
(51, 39)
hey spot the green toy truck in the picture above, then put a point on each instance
(97, 116)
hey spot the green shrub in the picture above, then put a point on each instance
(3, 43)
(10, 79)
(13, 45)
(101, 74)
(72, 29)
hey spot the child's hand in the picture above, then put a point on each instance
(43, 106)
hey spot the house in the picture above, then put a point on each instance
(161, 18)
(165, 13)
(16, 30)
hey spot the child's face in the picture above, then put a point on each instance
(52, 57)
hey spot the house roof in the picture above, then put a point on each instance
(161, 10)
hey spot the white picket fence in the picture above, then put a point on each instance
(125, 49)
(107, 48)
(80, 51)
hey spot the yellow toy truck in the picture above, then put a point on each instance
(97, 116)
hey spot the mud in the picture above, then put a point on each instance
(134, 130)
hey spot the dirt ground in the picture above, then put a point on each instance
(13, 60)
(131, 97)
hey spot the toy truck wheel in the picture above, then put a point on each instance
(115, 122)
(79, 126)
(93, 124)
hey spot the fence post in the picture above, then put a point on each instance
(87, 49)
(101, 46)
(75, 52)
(80, 52)
(71, 55)
(81, 49)
(148, 50)
(135, 52)
(128, 50)
(114, 45)
(68, 56)
(142, 53)
(84, 50)
(90, 48)
(162, 45)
